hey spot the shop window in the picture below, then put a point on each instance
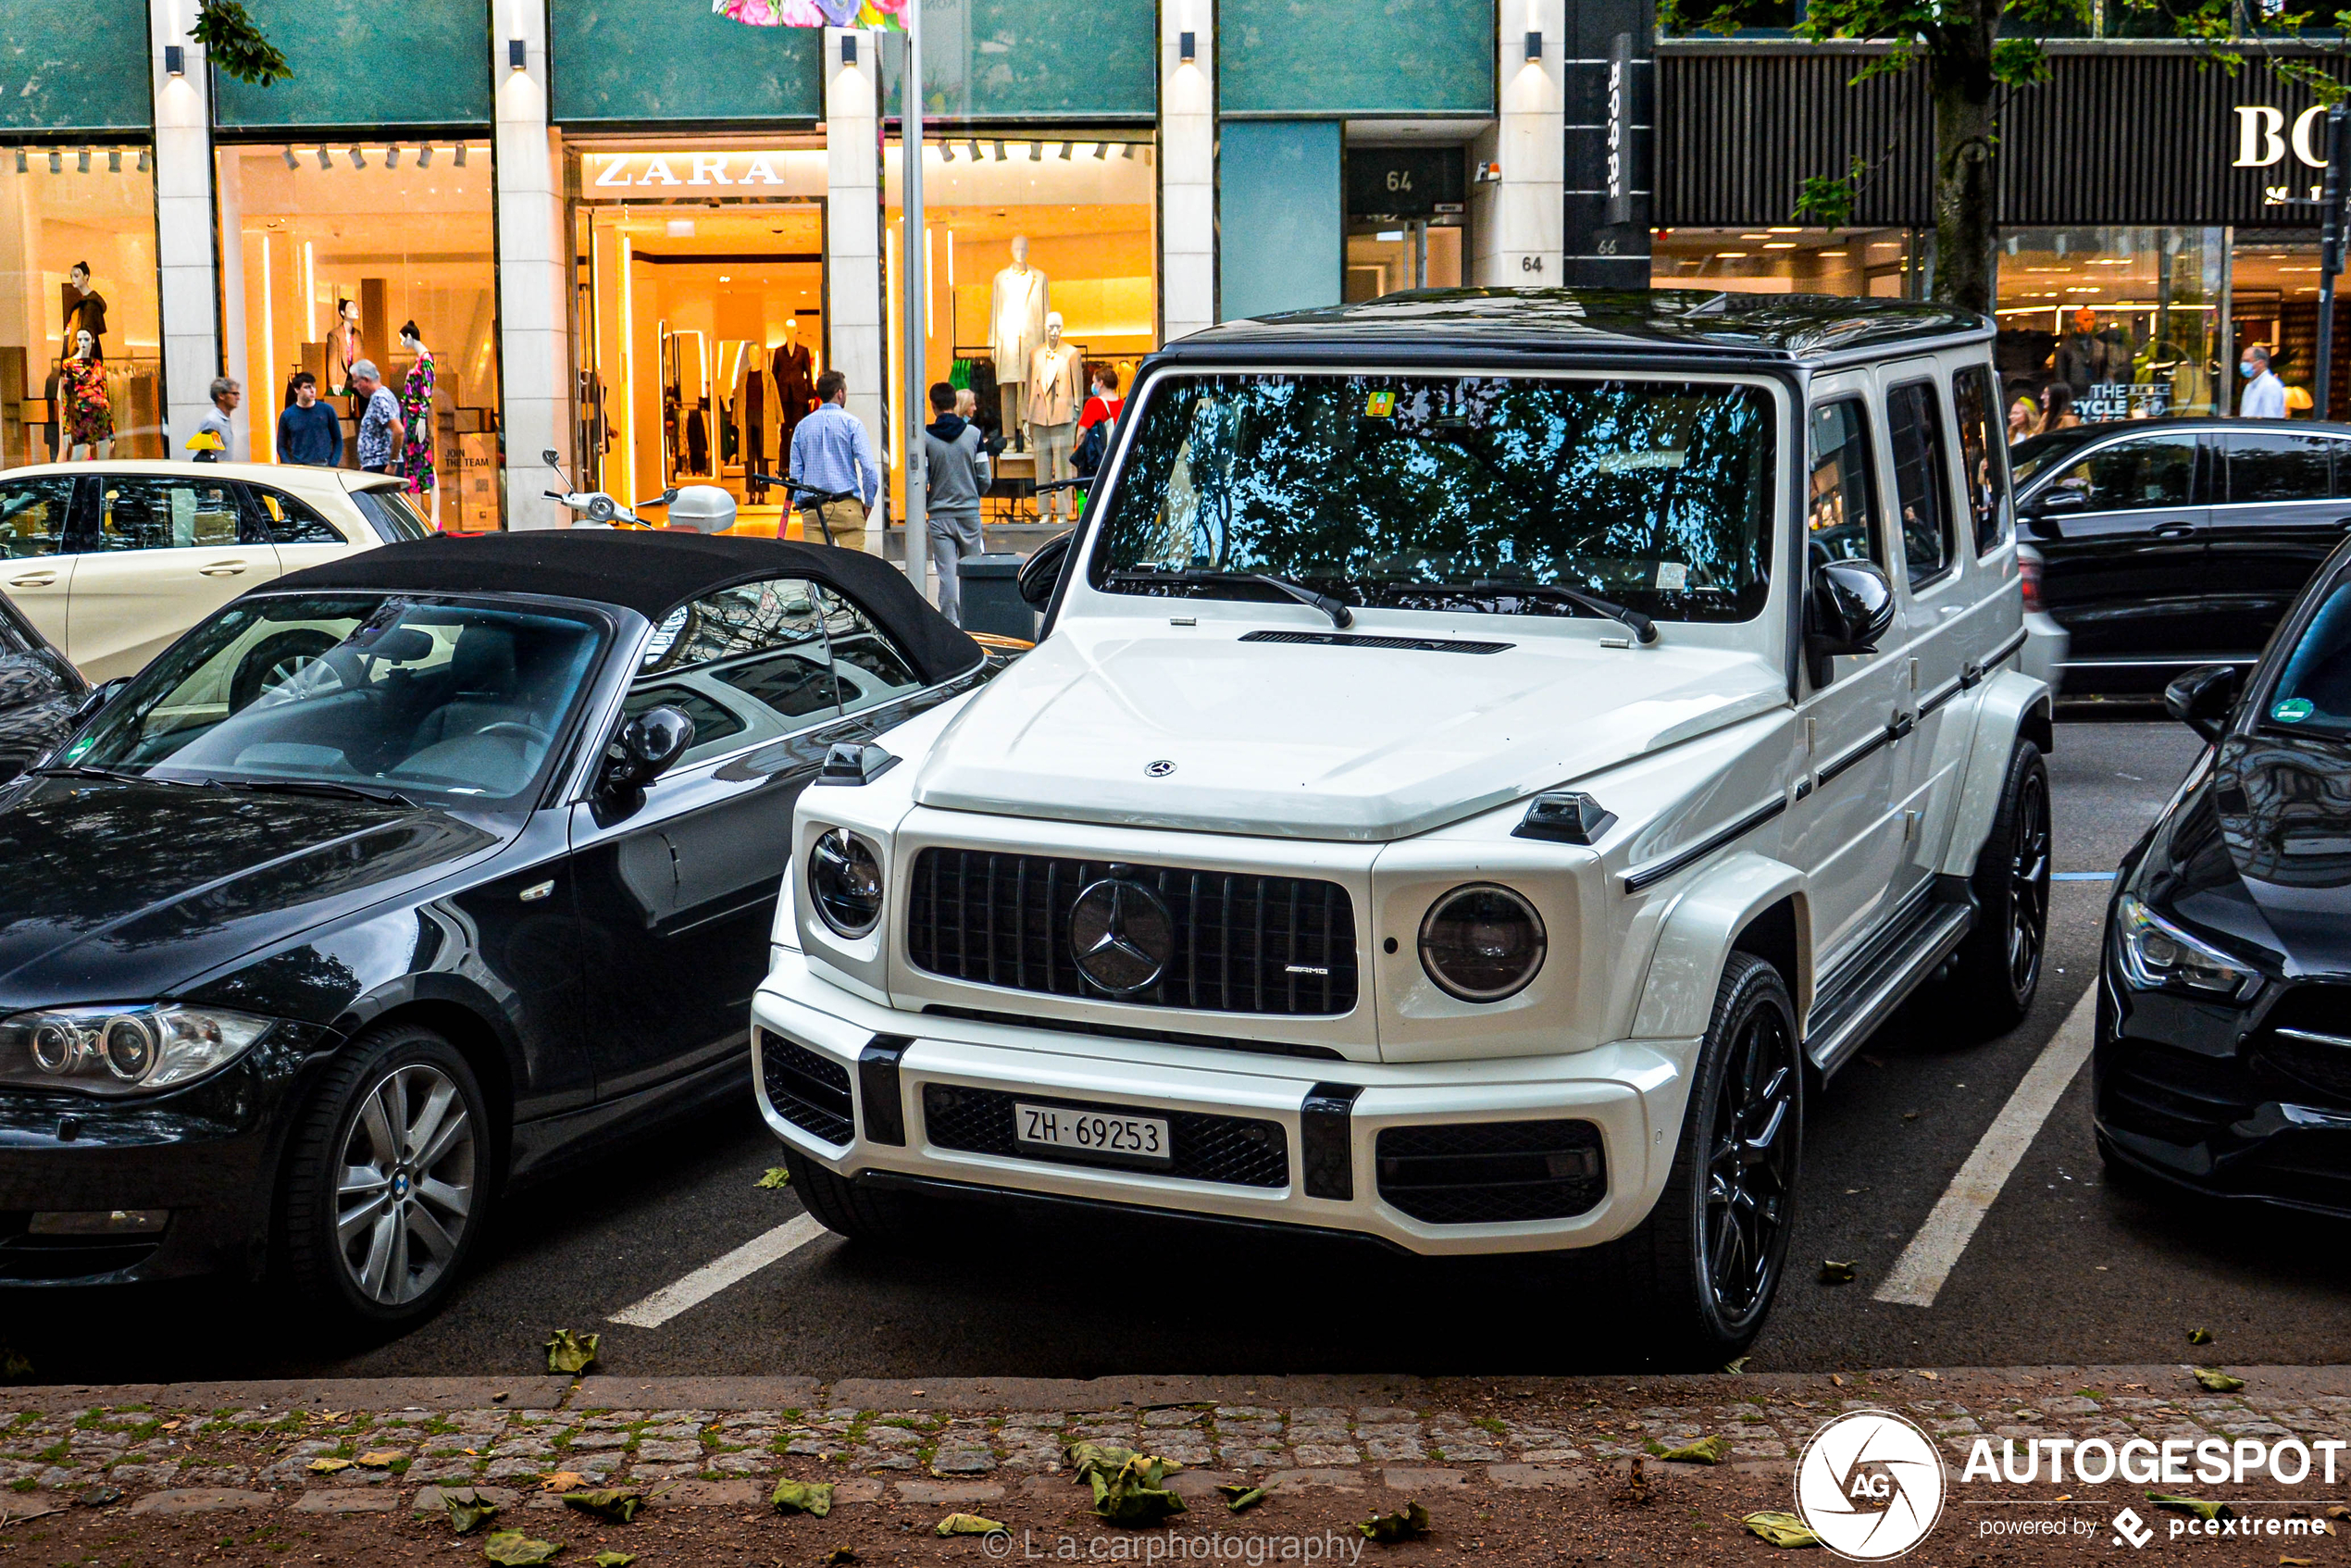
(1842, 523)
(2282, 467)
(1914, 424)
(1982, 453)
(2107, 323)
(2151, 471)
(342, 250)
(78, 256)
(33, 513)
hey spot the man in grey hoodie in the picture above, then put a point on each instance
(956, 473)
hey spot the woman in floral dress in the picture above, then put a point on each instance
(415, 415)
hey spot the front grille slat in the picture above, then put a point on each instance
(806, 1090)
(1492, 1172)
(1238, 1151)
(1240, 944)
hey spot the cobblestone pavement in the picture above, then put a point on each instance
(354, 1446)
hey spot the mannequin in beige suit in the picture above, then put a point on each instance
(1057, 393)
(1017, 308)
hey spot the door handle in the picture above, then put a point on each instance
(223, 568)
(34, 580)
(2174, 530)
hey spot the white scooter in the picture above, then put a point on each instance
(596, 509)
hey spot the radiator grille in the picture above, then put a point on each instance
(1279, 945)
(1239, 1150)
(806, 1090)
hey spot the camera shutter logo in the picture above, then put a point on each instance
(1870, 1484)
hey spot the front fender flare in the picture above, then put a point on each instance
(2008, 704)
(1693, 941)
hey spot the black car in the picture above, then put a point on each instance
(2223, 1054)
(297, 969)
(40, 692)
(2168, 544)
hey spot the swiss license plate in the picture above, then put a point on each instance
(1095, 1135)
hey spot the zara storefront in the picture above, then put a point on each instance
(635, 231)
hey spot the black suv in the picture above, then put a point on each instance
(2173, 544)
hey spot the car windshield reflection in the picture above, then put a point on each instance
(388, 696)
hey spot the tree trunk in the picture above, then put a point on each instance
(1960, 84)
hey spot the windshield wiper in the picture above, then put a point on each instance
(316, 787)
(1341, 616)
(1643, 629)
(119, 776)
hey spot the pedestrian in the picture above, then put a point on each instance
(226, 396)
(309, 431)
(956, 474)
(379, 425)
(1094, 423)
(2024, 419)
(832, 451)
(2264, 394)
(2057, 409)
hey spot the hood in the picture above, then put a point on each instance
(115, 892)
(1196, 729)
(947, 427)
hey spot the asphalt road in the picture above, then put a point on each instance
(2065, 1268)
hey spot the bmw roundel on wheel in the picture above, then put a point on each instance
(1474, 782)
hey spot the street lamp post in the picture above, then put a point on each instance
(916, 277)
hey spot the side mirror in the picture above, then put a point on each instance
(2203, 698)
(646, 747)
(98, 697)
(1849, 608)
(1041, 573)
(2042, 512)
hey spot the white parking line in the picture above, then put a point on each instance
(713, 1277)
(1934, 1252)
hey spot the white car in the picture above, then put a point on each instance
(114, 560)
(1489, 755)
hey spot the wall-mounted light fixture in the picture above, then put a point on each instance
(291, 162)
(849, 49)
(1535, 45)
(358, 159)
(516, 55)
(146, 160)
(424, 156)
(114, 160)
(461, 155)
(175, 59)
(1184, 47)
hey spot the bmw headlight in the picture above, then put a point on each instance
(1482, 942)
(2158, 956)
(845, 883)
(121, 1050)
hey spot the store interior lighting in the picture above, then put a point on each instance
(1000, 152)
(146, 160)
(1036, 151)
(358, 159)
(81, 162)
(947, 152)
(392, 155)
(972, 149)
(1101, 151)
(1067, 148)
(461, 155)
(114, 160)
(326, 159)
(1129, 151)
(20, 160)
(56, 161)
(424, 156)
(291, 162)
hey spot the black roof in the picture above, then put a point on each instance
(1689, 321)
(651, 573)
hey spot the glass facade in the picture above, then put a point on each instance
(78, 256)
(1863, 263)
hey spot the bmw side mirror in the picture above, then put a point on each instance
(2041, 514)
(1849, 608)
(1041, 573)
(646, 747)
(2203, 698)
(98, 697)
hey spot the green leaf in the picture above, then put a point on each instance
(233, 43)
(967, 1524)
(2020, 62)
(803, 1497)
(1780, 1529)
(1835, 1271)
(1406, 1522)
(2203, 1510)
(2199, 1337)
(2217, 1382)
(515, 1549)
(1085, 1459)
(1136, 1493)
(466, 1508)
(777, 1177)
(1706, 1450)
(1827, 200)
(608, 1502)
(1239, 1499)
(567, 1351)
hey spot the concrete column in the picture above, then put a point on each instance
(190, 307)
(853, 236)
(534, 293)
(1187, 170)
(1515, 222)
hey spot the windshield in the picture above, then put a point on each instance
(1424, 493)
(2314, 693)
(365, 690)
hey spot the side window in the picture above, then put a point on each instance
(867, 664)
(2150, 471)
(1922, 483)
(747, 663)
(1983, 452)
(150, 514)
(292, 521)
(390, 515)
(1841, 519)
(33, 517)
(2264, 467)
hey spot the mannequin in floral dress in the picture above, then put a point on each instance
(415, 415)
(82, 387)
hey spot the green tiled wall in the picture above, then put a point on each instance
(1355, 56)
(368, 63)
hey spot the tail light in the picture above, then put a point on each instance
(2028, 571)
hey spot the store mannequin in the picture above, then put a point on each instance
(344, 342)
(795, 372)
(416, 421)
(1018, 308)
(85, 309)
(82, 385)
(1055, 393)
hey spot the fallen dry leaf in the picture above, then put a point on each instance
(1932, 1376)
(2199, 1337)
(614, 1503)
(2202, 1508)
(570, 1351)
(561, 1481)
(967, 1524)
(383, 1458)
(1410, 1521)
(1836, 1271)
(1780, 1529)
(327, 1466)
(2217, 1382)
(515, 1549)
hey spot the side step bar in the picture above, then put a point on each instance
(1883, 976)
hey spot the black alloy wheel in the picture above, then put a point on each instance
(1750, 1163)
(1996, 972)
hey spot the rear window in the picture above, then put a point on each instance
(390, 515)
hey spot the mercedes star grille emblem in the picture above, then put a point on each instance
(1160, 769)
(1120, 935)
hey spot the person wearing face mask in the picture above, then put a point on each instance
(2264, 394)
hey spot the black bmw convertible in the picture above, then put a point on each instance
(388, 885)
(2223, 1055)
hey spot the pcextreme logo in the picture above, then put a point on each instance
(1870, 1484)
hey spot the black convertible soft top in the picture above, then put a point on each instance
(650, 572)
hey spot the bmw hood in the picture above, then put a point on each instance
(1369, 740)
(123, 892)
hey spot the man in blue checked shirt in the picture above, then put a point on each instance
(832, 451)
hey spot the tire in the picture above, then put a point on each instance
(858, 1212)
(272, 660)
(372, 1277)
(1700, 1273)
(1996, 972)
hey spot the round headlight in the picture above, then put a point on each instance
(128, 1046)
(53, 1047)
(845, 881)
(1482, 942)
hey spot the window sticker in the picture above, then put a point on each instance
(1380, 406)
(2294, 710)
(1672, 574)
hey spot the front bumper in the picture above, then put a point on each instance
(872, 1091)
